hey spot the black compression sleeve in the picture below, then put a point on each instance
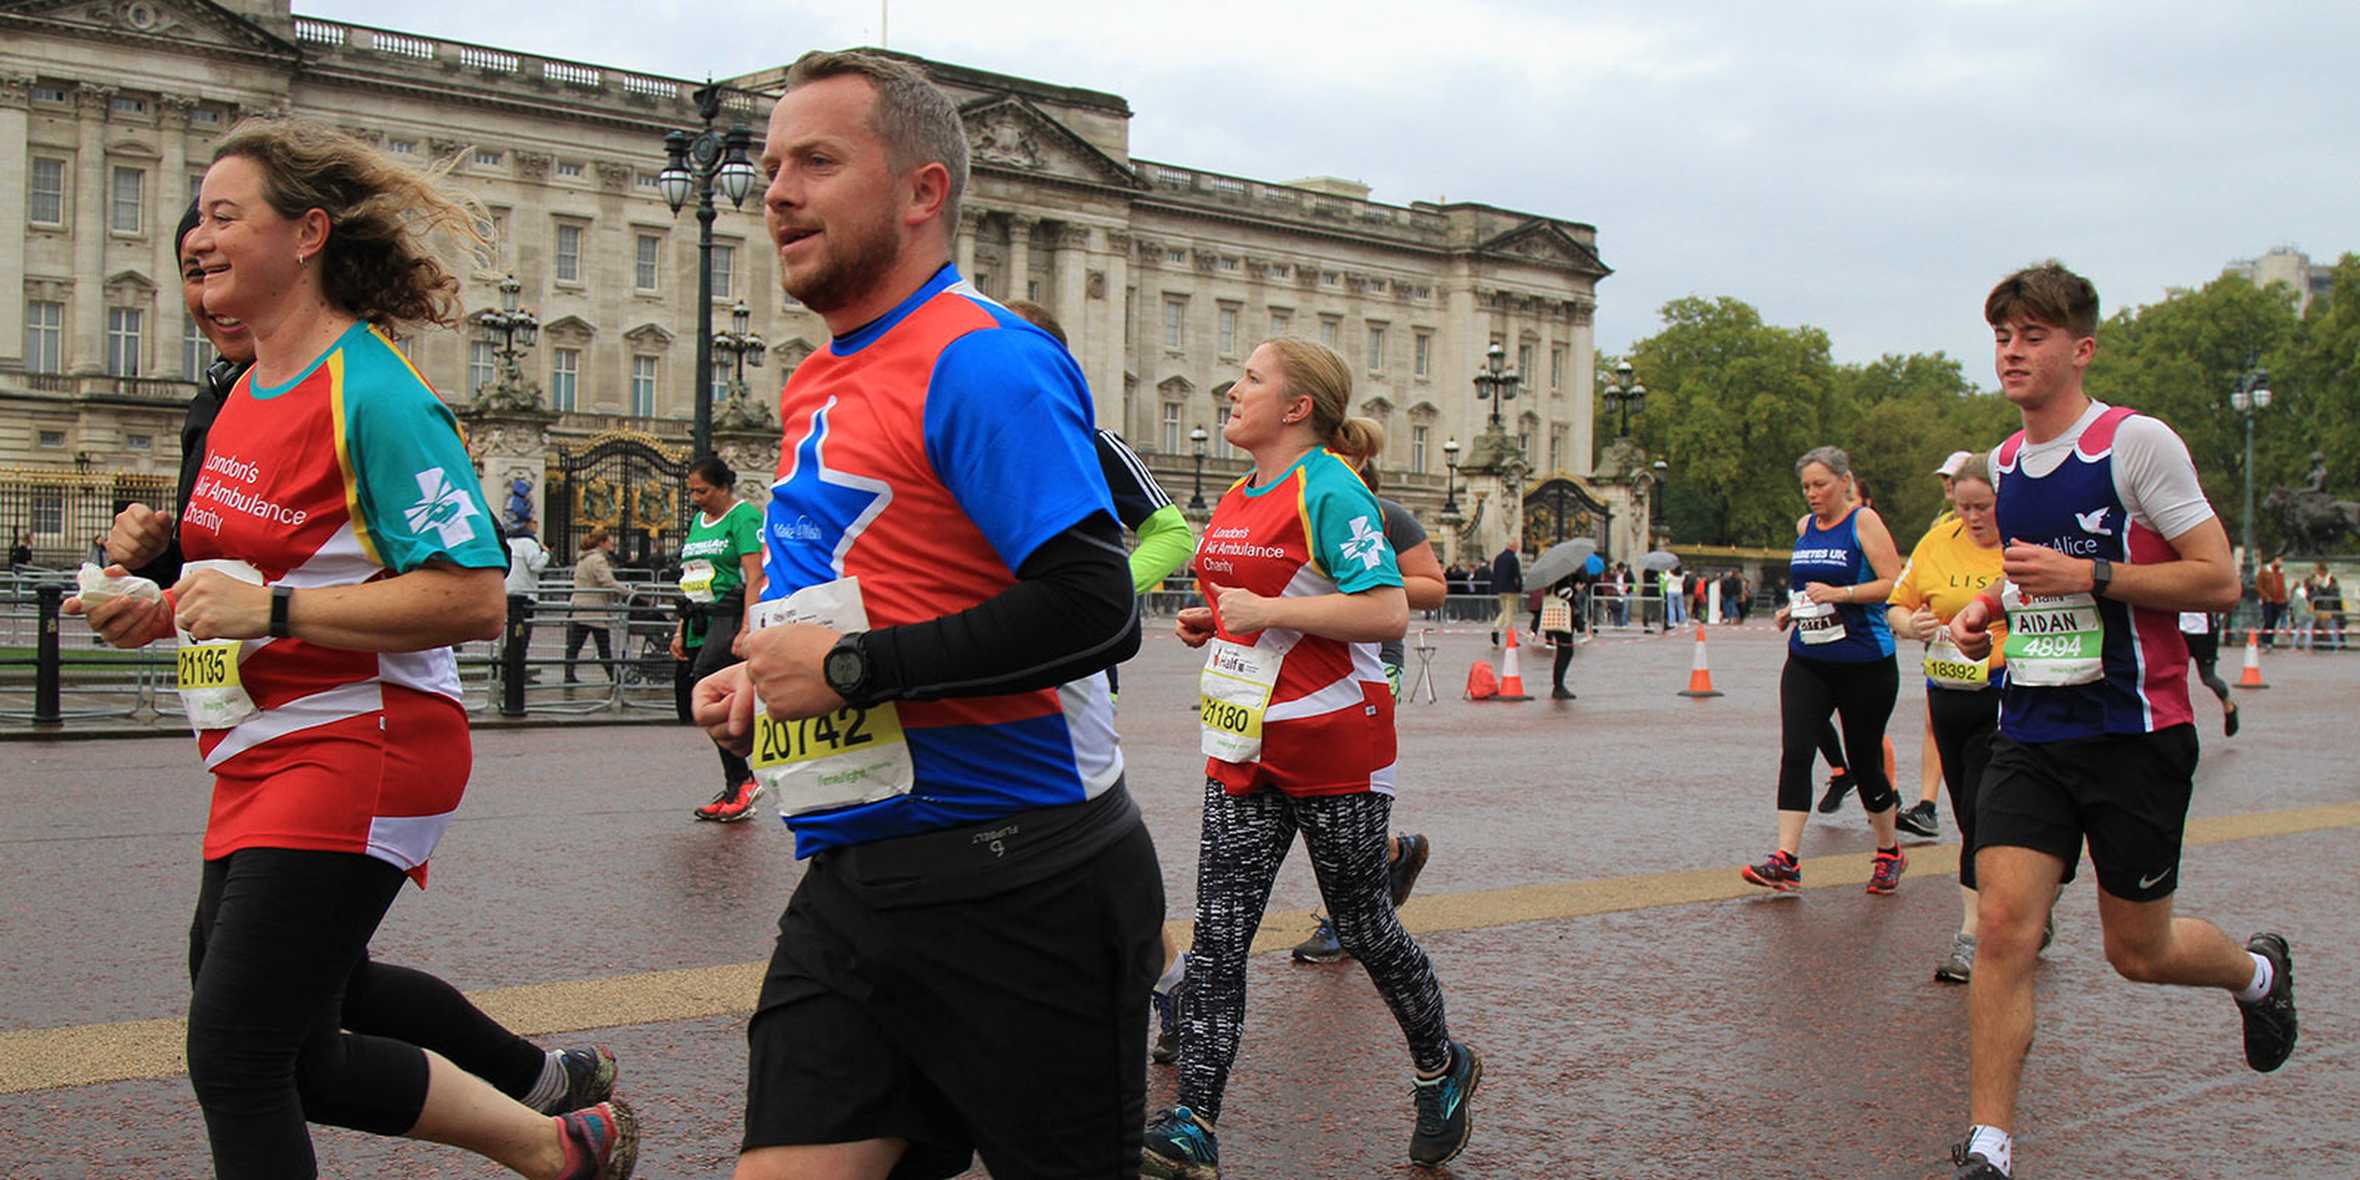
(1070, 613)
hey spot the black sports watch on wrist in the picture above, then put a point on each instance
(847, 669)
(281, 596)
(2101, 576)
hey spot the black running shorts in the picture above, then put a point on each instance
(2127, 794)
(1011, 1025)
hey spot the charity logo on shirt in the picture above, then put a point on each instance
(442, 506)
(2094, 522)
(1366, 545)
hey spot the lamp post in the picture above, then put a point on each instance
(1625, 396)
(694, 166)
(1450, 485)
(1496, 381)
(1196, 493)
(1663, 475)
(509, 330)
(2251, 393)
(742, 346)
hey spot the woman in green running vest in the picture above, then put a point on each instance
(720, 571)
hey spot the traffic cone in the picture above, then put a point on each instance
(1511, 673)
(1700, 673)
(2253, 661)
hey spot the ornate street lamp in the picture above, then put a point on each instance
(510, 330)
(1663, 475)
(1496, 381)
(1626, 396)
(740, 345)
(695, 167)
(2251, 393)
(1196, 494)
(1450, 486)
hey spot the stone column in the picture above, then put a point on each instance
(970, 223)
(1108, 358)
(1073, 307)
(15, 100)
(1020, 237)
(86, 317)
(172, 128)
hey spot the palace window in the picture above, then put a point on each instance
(1417, 449)
(569, 253)
(44, 336)
(1556, 366)
(1168, 435)
(724, 273)
(196, 352)
(644, 271)
(480, 364)
(1376, 348)
(565, 367)
(643, 387)
(1330, 327)
(1175, 321)
(46, 197)
(1422, 354)
(127, 201)
(124, 326)
(1227, 321)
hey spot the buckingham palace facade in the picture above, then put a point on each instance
(1163, 275)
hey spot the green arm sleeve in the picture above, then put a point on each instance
(1165, 544)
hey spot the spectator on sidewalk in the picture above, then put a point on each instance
(1507, 581)
(596, 591)
(2270, 587)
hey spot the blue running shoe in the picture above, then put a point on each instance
(1444, 1122)
(1323, 946)
(1178, 1147)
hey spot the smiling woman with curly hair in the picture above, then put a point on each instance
(338, 544)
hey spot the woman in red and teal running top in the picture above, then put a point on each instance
(338, 544)
(1298, 732)
(1839, 660)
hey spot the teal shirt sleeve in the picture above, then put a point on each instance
(419, 495)
(1165, 544)
(1348, 529)
(745, 531)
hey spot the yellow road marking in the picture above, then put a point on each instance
(81, 1055)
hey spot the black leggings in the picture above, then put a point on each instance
(1861, 696)
(1832, 748)
(1246, 839)
(290, 1022)
(2205, 652)
(721, 627)
(1963, 724)
(575, 633)
(1563, 642)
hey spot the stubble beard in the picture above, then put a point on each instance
(843, 278)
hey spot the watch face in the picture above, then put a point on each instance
(843, 668)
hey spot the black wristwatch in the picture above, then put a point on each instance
(2101, 576)
(847, 669)
(280, 596)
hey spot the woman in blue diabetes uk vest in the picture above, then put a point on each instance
(1839, 660)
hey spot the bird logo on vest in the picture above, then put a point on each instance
(2094, 522)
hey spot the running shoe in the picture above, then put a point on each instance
(1960, 966)
(1443, 1119)
(1401, 876)
(1561, 693)
(1974, 1165)
(2229, 721)
(1838, 785)
(1180, 1147)
(740, 803)
(1781, 872)
(1919, 820)
(589, 1078)
(601, 1142)
(712, 810)
(2269, 1021)
(1884, 874)
(1322, 946)
(1167, 1016)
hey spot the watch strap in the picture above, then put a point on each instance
(280, 596)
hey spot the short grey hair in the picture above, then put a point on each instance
(1838, 463)
(918, 122)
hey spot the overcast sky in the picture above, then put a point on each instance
(1869, 168)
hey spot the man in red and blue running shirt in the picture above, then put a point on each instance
(965, 965)
(2109, 537)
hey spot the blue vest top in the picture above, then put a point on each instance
(2076, 511)
(1833, 556)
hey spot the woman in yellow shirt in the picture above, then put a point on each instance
(1953, 562)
